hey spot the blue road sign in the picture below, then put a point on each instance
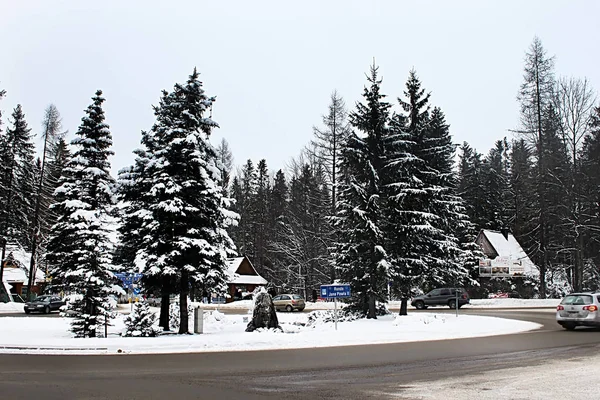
(128, 279)
(335, 291)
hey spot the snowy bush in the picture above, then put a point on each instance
(90, 316)
(346, 314)
(325, 316)
(557, 283)
(140, 323)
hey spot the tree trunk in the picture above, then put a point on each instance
(404, 306)
(164, 304)
(183, 303)
(372, 312)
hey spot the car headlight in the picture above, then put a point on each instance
(40, 306)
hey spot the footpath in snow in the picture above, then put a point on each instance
(226, 332)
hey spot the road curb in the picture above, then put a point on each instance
(45, 348)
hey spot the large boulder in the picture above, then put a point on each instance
(264, 315)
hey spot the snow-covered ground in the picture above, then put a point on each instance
(245, 305)
(558, 379)
(475, 303)
(227, 333)
(11, 307)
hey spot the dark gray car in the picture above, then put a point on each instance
(44, 304)
(441, 297)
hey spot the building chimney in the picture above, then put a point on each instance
(505, 232)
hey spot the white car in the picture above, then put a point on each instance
(579, 309)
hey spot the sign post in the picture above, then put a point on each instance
(335, 292)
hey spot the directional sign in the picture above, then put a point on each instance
(335, 291)
(128, 279)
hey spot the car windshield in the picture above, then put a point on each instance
(577, 300)
(43, 298)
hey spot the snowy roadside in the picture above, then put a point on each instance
(11, 307)
(246, 305)
(38, 335)
(539, 382)
(475, 303)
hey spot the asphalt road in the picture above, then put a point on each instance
(354, 372)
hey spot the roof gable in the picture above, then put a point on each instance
(241, 271)
(505, 247)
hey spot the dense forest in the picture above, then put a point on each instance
(382, 197)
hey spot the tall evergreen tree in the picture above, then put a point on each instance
(496, 180)
(430, 211)
(521, 204)
(471, 186)
(184, 226)
(278, 206)
(246, 206)
(80, 248)
(261, 204)
(17, 180)
(361, 256)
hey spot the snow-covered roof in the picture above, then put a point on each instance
(509, 247)
(20, 271)
(505, 246)
(241, 279)
(16, 275)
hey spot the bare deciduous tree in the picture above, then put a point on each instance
(574, 103)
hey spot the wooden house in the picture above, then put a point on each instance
(242, 278)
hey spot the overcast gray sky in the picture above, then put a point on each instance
(273, 64)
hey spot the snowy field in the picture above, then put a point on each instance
(224, 332)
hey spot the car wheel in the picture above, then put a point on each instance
(419, 305)
(289, 308)
(569, 327)
(452, 304)
(27, 311)
(46, 310)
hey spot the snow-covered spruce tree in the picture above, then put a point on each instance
(425, 212)
(361, 256)
(140, 323)
(470, 186)
(135, 183)
(184, 214)
(79, 250)
(455, 246)
(17, 180)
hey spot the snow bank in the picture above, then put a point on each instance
(38, 335)
(11, 307)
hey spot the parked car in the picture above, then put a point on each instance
(288, 302)
(579, 309)
(45, 304)
(441, 297)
